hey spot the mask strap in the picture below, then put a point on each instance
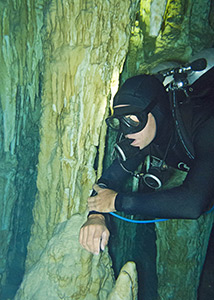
(150, 106)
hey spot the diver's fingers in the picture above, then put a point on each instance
(96, 241)
(97, 188)
(83, 237)
(104, 240)
(90, 237)
(91, 203)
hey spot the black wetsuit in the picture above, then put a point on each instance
(189, 200)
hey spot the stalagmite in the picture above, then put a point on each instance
(126, 284)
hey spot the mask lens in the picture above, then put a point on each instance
(128, 124)
(132, 120)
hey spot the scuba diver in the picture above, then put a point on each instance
(160, 124)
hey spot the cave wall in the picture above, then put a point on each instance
(175, 33)
(21, 56)
(60, 66)
(82, 65)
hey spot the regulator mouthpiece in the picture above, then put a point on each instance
(125, 150)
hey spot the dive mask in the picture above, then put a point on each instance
(127, 120)
(122, 120)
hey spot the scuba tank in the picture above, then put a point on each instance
(183, 83)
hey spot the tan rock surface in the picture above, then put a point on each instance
(66, 271)
(82, 64)
(126, 284)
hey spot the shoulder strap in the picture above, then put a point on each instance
(182, 115)
(185, 116)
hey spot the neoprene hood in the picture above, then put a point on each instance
(143, 92)
(140, 94)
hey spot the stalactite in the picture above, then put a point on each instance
(19, 39)
(157, 10)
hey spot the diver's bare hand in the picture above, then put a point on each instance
(103, 201)
(94, 234)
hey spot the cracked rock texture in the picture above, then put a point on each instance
(66, 271)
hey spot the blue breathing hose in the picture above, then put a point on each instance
(136, 221)
(146, 221)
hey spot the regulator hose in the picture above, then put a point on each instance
(147, 221)
(102, 185)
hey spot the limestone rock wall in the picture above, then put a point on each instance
(21, 56)
(182, 243)
(84, 47)
(188, 257)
